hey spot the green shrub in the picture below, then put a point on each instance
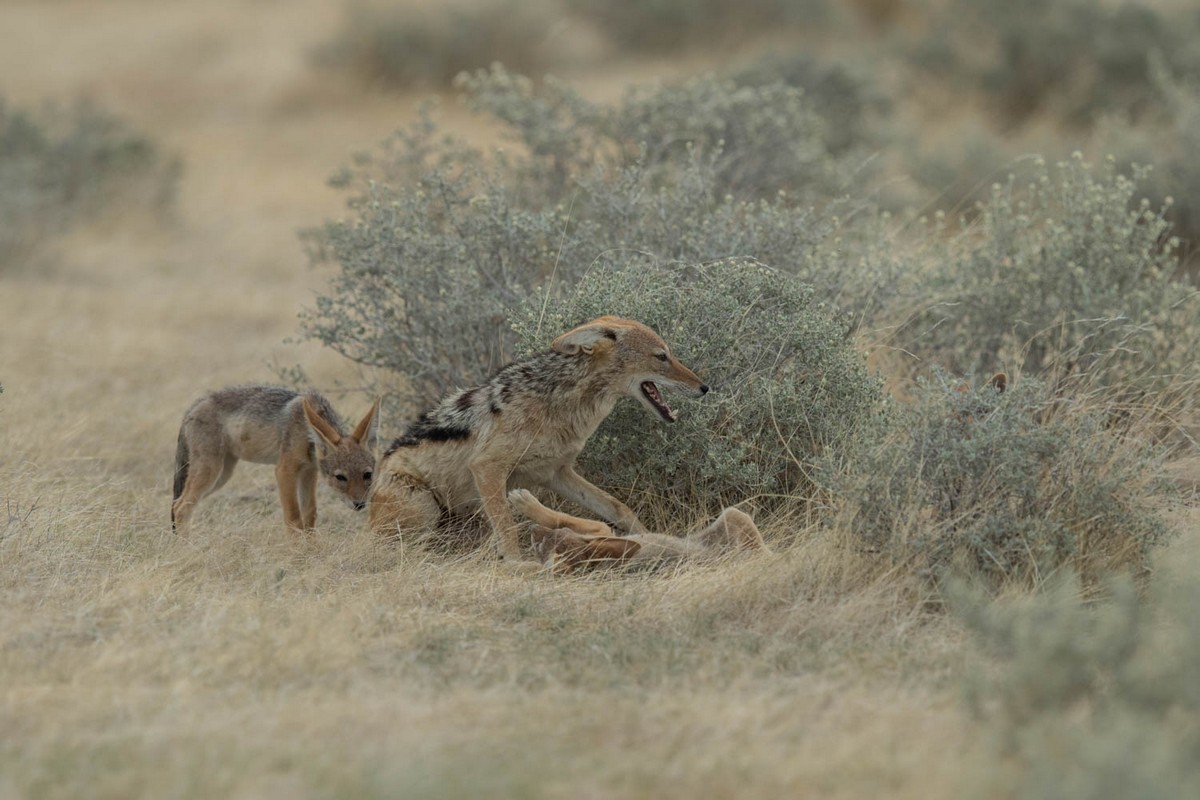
(1012, 486)
(428, 273)
(1088, 700)
(1067, 274)
(758, 139)
(844, 93)
(399, 46)
(445, 241)
(787, 383)
(1072, 59)
(1169, 138)
(60, 167)
(1178, 173)
(959, 168)
(662, 25)
(610, 210)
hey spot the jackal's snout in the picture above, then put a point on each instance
(644, 361)
(671, 373)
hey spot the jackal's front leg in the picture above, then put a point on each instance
(573, 486)
(491, 480)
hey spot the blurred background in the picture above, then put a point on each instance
(931, 100)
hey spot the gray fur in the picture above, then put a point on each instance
(300, 433)
(266, 404)
(462, 412)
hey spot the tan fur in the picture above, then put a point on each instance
(566, 543)
(525, 427)
(998, 384)
(299, 434)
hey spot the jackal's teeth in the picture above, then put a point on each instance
(650, 390)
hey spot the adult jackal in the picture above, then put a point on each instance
(525, 427)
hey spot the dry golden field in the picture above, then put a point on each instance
(241, 662)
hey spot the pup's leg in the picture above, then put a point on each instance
(287, 476)
(528, 506)
(230, 461)
(733, 529)
(306, 487)
(204, 475)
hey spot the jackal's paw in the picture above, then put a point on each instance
(523, 501)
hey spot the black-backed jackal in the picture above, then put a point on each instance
(566, 543)
(299, 433)
(525, 427)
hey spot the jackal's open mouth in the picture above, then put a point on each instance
(651, 393)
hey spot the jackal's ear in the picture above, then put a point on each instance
(364, 434)
(586, 338)
(999, 382)
(322, 428)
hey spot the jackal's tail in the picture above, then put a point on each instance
(181, 473)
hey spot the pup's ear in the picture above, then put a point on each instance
(586, 337)
(368, 427)
(322, 428)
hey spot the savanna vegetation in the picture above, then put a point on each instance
(59, 167)
(847, 216)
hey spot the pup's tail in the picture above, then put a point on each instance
(181, 473)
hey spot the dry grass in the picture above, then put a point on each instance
(242, 663)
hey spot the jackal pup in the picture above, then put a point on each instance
(566, 543)
(299, 433)
(525, 427)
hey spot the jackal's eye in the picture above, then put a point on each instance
(341, 478)
(366, 476)
(661, 356)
